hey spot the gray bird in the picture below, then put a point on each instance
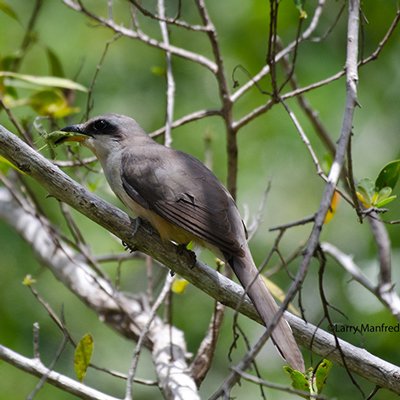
(183, 201)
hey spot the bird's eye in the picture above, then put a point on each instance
(100, 125)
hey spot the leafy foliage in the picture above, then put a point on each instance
(313, 381)
(47, 99)
(378, 194)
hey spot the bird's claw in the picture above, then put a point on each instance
(136, 224)
(182, 249)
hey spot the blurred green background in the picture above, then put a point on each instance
(130, 83)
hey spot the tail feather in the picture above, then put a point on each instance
(282, 336)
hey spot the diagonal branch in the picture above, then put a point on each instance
(227, 105)
(389, 298)
(35, 367)
(146, 240)
(266, 69)
(129, 316)
(169, 77)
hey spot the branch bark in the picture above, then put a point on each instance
(35, 367)
(129, 316)
(61, 186)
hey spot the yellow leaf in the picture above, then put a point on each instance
(179, 285)
(333, 207)
(83, 355)
(364, 202)
(279, 294)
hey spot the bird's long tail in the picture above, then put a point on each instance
(282, 336)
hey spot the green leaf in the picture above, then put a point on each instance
(326, 163)
(299, 380)
(83, 355)
(52, 103)
(55, 63)
(321, 374)
(388, 176)
(384, 202)
(5, 165)
(8, 10)
(366, 190)
(383, 194)
(48, 81)
(10, 91)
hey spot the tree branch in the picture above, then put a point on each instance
(109, 23)
(333, 177)
(127, 315)
(389, 298)
(35, 367)
(90, 288)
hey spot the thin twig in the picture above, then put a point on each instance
(169, 75)
(325, 306)
(257, 220)
(351, 183)
(256, 112)
(79, 278)
(23, 133)
(276, 386)
(390, 300)
(29, 37)
(139, 35)
(171, 21)
(36, 338)
(304, 138)
(204, 357)
(266, 69)
(74, 163)
(303, 221)
(135, 358)
(68, 385)
(313, 241)
(194, 116)
(226, 109)
(382, 241)
(46, 376)
(89, 101)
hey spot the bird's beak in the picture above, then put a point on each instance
(74, 133)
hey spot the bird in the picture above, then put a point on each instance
(185, 202)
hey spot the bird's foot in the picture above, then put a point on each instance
(129, 248)
(136, 223)
(182, 249)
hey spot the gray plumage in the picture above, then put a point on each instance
(184, 201)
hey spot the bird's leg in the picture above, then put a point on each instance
(136, 223)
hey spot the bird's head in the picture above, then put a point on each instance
(106, 133)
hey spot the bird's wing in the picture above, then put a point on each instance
(183, 191)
